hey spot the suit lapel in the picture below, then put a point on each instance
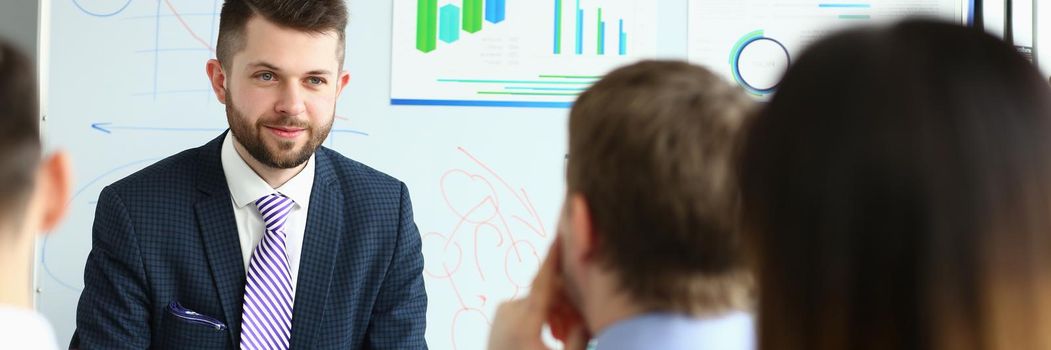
(320, 245)
(215, 217)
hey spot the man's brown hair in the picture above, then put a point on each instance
(20, 136)
(652, 147)
(313, 16)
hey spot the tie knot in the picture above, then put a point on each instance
(274, 209)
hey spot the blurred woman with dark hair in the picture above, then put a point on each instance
(897, 192)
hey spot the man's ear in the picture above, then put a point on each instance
(581, 228)
(217, 77)
(54, 181)
(344, 79)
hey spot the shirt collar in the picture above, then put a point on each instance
(731, 330)
(246, 186)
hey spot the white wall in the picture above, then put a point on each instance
(1042, 39)
(18, 24)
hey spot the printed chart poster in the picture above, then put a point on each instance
(752, 42)
(513, 53)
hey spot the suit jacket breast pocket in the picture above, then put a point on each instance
(181, 333)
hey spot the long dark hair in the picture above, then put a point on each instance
(897, 192)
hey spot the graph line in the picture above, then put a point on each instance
(101, 14)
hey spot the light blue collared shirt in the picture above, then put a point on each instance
(667, 331)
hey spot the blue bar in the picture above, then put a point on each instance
(495, 10)
(449, 27)
(602, 38)
(469, 103)
(845, 6)
(623, 46)
(580, 29)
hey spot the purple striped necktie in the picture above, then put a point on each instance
(266, 322)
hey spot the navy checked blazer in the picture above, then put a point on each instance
(167, 233)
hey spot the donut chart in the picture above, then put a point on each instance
(757, 62)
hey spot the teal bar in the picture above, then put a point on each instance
(449, 24)
(601, 45)
(845, 6)
(622, 48)
(558, 26)
(580, 29)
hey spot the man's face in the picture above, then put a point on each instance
(281, 92)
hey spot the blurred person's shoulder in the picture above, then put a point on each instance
(733, 330)
(25, 329)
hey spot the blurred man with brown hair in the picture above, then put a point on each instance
(648, 255)
(33, 196)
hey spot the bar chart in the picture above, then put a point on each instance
(501, 53)
(434, 23)
(604, 34)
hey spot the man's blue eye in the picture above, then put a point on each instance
(266, 76)
(316, 80)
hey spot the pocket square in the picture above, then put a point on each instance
(191, 316)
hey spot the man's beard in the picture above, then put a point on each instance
(248, 136)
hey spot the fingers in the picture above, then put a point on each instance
(546, 279)
(564, 318)
(561, 315)
(518, 324)
(506, 332)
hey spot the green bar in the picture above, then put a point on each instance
(571, 76)
(598, 31)
(426, 25)
(853, 16)
(472, 16)
(527, 93)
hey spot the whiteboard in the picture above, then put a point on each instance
(127, 87)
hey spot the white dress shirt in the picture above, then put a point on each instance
(25, 329)
(246, 187)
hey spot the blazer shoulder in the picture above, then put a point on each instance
(175, 172)
(349, 170)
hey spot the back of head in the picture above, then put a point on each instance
(20, 136)
(318, 16)
(897, 189)
(651, 146)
